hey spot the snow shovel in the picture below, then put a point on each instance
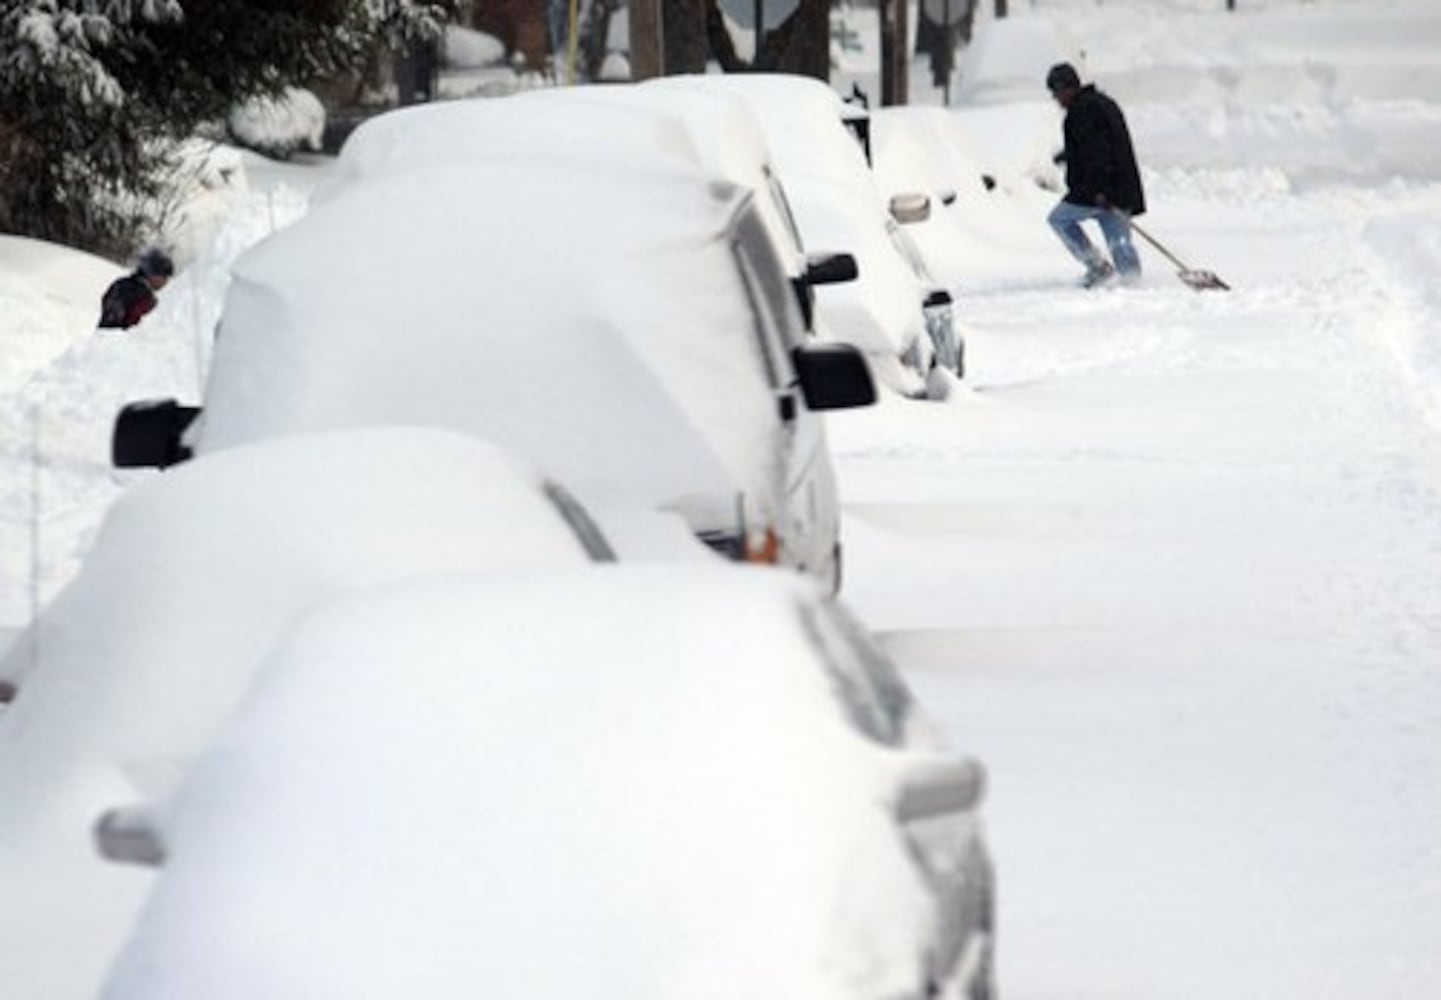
(1199, 280)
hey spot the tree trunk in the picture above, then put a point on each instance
(800, 44)
(893, 51)
(646, 52)
(683, 24)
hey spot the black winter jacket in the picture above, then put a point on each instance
(126, 302)
(1099, 157)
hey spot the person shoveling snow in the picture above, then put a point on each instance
(1103, 182)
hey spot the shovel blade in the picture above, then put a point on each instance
(1202, 280)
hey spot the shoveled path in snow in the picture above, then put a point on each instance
(1170, 567)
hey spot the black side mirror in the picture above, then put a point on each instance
(830, 268)
(129, 836)
(147, 434)
(834, 376)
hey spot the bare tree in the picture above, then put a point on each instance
(799, 44)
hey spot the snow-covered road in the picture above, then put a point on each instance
(1171, 567)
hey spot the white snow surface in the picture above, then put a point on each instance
(1167, 561)
(295, 119)
(193, 579)
(598, 391)
(664, 789)
(466, 48)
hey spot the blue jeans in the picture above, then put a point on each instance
(1066, 220)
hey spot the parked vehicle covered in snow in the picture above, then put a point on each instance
(194, 577)
(708, 783)
(629, 331)
(838, 206)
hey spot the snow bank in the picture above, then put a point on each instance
(55, 420)
(52, 300)
(466, 48)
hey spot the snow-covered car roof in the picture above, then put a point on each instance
(607, 782)
(727, 135)
(589, 319)
(802, 121)
(191, 580)
(621, 123)
(531, 124)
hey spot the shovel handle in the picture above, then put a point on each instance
(1155, 243)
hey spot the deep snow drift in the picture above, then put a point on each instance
(1169, 563)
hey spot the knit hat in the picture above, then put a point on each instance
(156, 263)
(1063, 76)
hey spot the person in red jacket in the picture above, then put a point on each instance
(128, 299)
(1103, 182)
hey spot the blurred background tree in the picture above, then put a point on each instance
(94, 94)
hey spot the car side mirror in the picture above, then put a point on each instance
(831, 268)
(910, 208)
(147, 434)
(833, 376)
(939, 786)
(131, 836)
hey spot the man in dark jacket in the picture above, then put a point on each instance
(1102, 180)
(128, 299)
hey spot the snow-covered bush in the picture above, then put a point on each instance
(94, 95)
(278, 126)
(466, 48)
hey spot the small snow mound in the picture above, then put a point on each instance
(278, 126)
(615, 68)
(466, 48)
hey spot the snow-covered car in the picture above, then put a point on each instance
(615, 127)
(658, 783)
(975, 196)
(629, 331)
(707, 130)
(838, 205)
(712, 131)
(193, 577)
(728, 140)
